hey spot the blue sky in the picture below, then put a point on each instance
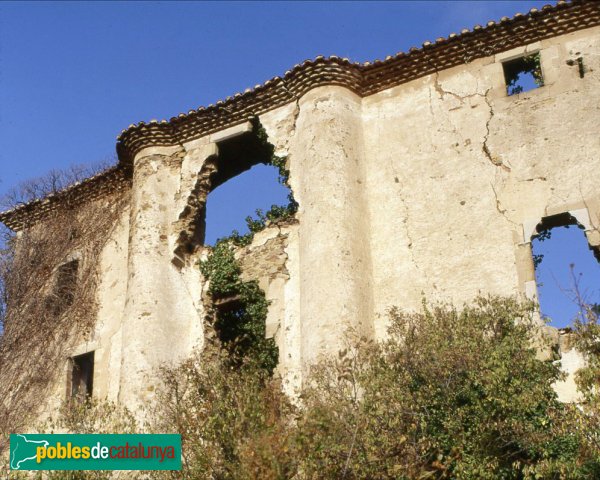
(73, 75)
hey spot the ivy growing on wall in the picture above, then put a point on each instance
(277, 213)
(241, 327)
(51, 301)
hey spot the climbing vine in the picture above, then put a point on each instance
(513, 70)
(277, 213)
(242, 326)
(50, 283)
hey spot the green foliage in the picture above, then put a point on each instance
(541, 237)
(525, 65)
(222, 269)
(241, 328)
(277, 213)
(233, 422)
(449, 394)
(587, 334)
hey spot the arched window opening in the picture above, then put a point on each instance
(229, 205)
(248, 181)
(565, 269)
(235, 201)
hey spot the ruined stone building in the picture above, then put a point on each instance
(423, 175)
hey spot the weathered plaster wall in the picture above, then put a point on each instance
(163, 315)
(111, 296)
(105, 337)
(327, 158)
(456, 168)
(429, 189)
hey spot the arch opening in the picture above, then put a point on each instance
(232, 203)
(251, 184)
(566, 271)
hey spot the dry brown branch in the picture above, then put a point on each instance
(49, 276)
(52, 182)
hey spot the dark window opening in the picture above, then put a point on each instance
(523, 74)
(242, 332)
(565, 269)
(63, 293)
(231, 321)
(82, 375)
(228, 304)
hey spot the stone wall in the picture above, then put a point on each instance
(459, 173)
(429, 189)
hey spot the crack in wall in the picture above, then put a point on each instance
(413, 259)
(431, 104)
(441, 92)
(533, 179)
(501, 211)
(486, 150)
(406, 227)
(494, 160)
(438, 87)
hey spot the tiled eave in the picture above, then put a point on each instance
(363, 79)
(108, 181)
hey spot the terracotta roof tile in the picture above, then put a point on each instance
(363, 79)
(110, 180)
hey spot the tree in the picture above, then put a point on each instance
(51, 183)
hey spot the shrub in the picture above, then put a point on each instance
(242, 329)
(233, 421)
(449, 394)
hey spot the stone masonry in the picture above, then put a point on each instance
(417, 177)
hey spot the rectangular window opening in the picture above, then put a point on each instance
(82, 375)
(63, 294)
(523, 74)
